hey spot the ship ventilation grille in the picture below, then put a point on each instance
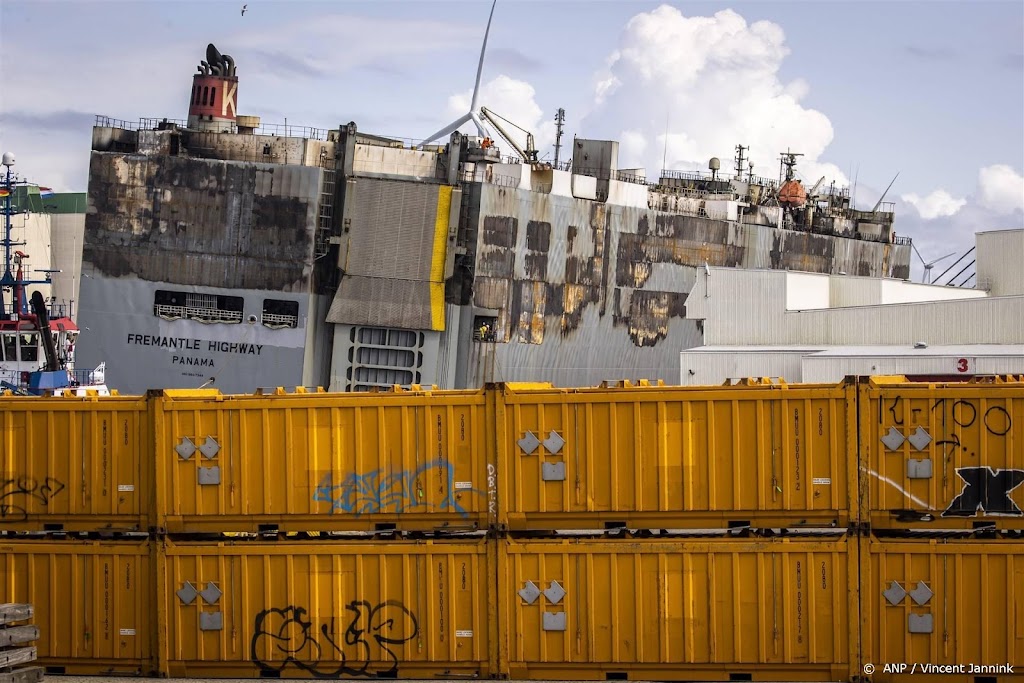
(382, 357)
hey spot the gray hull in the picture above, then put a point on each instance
(144, 351)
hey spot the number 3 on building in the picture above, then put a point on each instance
(961, 365)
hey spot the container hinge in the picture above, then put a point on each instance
(554, 621)
(919, 469)
(211, 621)
(209, 475)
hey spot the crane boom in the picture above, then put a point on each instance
(528, 155)
(814, 190)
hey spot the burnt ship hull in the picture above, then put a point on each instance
(355, 262)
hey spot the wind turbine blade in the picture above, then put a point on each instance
(480, 127)
(942, 258)
(480, 66)
(447, 130)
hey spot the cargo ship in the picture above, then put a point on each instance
(223, 251)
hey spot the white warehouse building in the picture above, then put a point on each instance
(805, 327)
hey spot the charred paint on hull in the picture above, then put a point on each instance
(201, 222)
(549, 263)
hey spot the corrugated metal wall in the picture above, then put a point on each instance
(741, 308)
(999, 255)
(389, 255)
(670, 458)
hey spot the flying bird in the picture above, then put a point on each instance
(244, 7)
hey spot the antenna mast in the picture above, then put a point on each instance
(739, 161)
(559, 123)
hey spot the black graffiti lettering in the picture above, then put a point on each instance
(1000, 424)
(951, 444)
(987, 490)
(17, 493)
(959, 418)
(287, 633)
(892, 410)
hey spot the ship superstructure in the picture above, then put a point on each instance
(221, 249)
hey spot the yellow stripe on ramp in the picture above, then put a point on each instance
(444, 205)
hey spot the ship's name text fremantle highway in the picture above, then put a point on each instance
(194, 344)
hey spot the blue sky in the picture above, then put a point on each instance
(932, 90)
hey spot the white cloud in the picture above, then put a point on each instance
(511, 99)
(938, 204)
(716, 80)
(632, 148)
(1001, 189)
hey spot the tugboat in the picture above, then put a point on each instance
(37, 347)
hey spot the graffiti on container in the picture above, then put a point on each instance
(987, 490)
(383, 491)
(492, 489)
(17, 493)
(287, 635)
(996, 419)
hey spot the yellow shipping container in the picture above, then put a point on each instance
(93, 602)
(676, 457)
(944, 611)
(408, 609)
(308, 462)
(681, 609)
(942, 456)
(81, 464)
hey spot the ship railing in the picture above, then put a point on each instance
(684, 175)
(267, 129)
(902, 240)
(634, 178)
(280, 320)
(149, 123)
(701, 176)
(86, 377)
(504, 180)
(53, 310)
(109, 122)
(203, 315)
(290, 131)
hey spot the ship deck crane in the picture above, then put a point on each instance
(529, 155)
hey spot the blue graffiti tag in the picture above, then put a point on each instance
(381, 491)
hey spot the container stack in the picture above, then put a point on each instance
(16, 651)
(755, 532)
(941, 556)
